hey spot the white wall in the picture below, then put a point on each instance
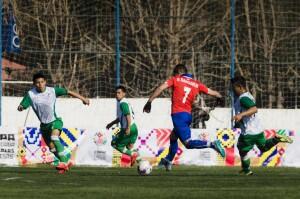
(96, 116)
(102, 111)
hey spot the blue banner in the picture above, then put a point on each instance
(10, 38)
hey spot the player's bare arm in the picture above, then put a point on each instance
(84, 100)
(156, 93)
(214, 93)
(249, 112)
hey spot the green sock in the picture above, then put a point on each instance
(62, 153)
(245, 164)
(55, 158)
(123, 150)
(55, 161)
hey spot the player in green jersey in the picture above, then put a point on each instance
(42, 100)
(125, 139)
(251, 131)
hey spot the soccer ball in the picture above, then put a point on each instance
(144, 168)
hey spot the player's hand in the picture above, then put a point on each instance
(127, 131)
(147, 107)
(237, 117)
(109, 125)
(86, 101)
(20, 108)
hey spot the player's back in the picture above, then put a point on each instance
(185, 89)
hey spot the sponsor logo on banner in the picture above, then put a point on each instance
(7, 145)
(227, 138)
(204, 155)
(27, 146)
(100, 139)
(99, 155)
(33, 148)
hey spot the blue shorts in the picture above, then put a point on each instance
(181, 122)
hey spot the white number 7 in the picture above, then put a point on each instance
(187, 91)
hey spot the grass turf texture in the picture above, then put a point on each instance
(181, 182)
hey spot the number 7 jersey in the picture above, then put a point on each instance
(185, 89)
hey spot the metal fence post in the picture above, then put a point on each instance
(232, 46)
(117, 40)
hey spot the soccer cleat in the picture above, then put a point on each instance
(219, 148)
(284, 138)
(62, 166)
(246, 172)
(165, 163)
(61, 171)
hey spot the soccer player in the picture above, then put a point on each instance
(125, 139)
(185, 89)
(42, 100)
(251, 131)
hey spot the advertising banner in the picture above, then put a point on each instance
(26, 146)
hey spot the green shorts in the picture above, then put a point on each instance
(247, 142)
(123, 140)
(47, 129)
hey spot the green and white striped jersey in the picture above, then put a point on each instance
(249, 124)
(124, 109)
(43, 103)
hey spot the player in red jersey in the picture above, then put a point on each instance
(185, 89)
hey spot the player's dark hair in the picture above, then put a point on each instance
(239, 80)
(37, 76)
(122, 88)
(180, 69)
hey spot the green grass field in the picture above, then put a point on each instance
(182, 182)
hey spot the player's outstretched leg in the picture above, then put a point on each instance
(164, 162)
(200, 144)
(134, 154)
(283, 138)
(244, 145)
(62, 152)
(167, 161)
(245, 161)
(135, 157)
(120, 145)
(218, 147)
(265, 145)
(56, 160)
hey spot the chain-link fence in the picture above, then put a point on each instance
(74, 43)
